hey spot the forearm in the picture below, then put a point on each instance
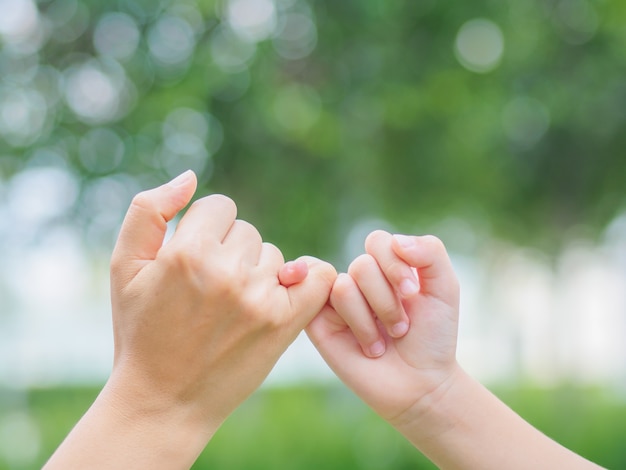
(110, 436)
(467, 427)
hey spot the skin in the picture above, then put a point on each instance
(198, 324)
(416, 383)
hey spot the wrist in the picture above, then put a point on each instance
(125, 429)
(170, 433)
(463, 425)
(436, 412)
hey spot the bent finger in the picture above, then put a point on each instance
(293, 272)
(399, 274)
(351, 306)
(243, 241)
(308, 297)
(380, 295)
(428, 255)
(208, 220)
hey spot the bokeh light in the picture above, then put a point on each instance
(19, 19)
(479, 45)
(229, 51)
(296, 36)
(57, 191)
(189, 140)
(576, 20)
(97, 91)
(23, 115)
(101, 150)
(70, 20)
(116, 35)
(171, 41)
(252, 20)
(497, 126)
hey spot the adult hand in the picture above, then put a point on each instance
(201, 321)
(198, 324)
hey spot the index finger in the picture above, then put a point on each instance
(396, 270)
(428, 255)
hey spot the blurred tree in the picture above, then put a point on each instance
(314, 115)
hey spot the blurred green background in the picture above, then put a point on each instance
(497, 125)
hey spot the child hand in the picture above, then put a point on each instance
(293, 272)
(391, 332)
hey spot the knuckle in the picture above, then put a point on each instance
(116, 263)
(341, 289)
(368, 336)
(119, 269)
(222, 200)
(388, 311)
(273, 252)
(374, 239)
(361, 265)
(273, 321)
(141, 201)
(181, 260)
(248, 230)
(396, 271)
(272, 257)
(434, 243)
(323, 271)
(226, 204)
(259, 311)
(329, 275)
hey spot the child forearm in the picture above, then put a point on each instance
(465, 426)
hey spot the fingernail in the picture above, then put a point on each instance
(399, 329)
(181, 179)
(408, 288)
(404, 241)
(377, 349)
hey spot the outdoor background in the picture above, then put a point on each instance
(499, 126)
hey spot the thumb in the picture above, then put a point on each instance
(309, 296)
(145, 224)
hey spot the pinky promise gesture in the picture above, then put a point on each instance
(198, 324)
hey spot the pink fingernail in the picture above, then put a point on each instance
(408, 288)
(399, 329)
(377, 349)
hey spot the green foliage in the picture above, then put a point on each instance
(374, 116)
(312, 426)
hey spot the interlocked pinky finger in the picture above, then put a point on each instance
(351, 306)
(293, 272)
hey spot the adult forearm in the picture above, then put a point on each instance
(110, 436)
